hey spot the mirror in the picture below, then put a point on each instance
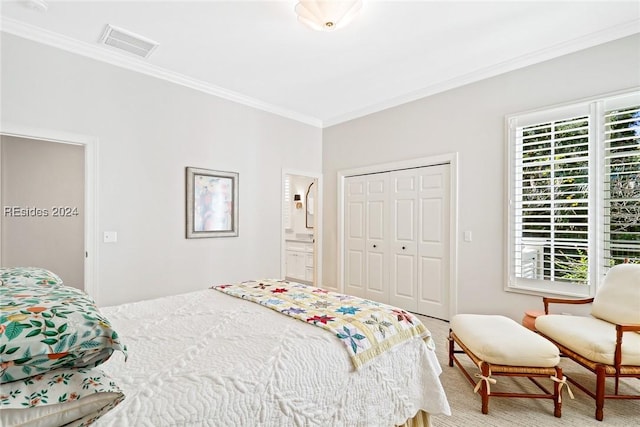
(309, 203)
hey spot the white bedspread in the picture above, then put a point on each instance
(209, 359)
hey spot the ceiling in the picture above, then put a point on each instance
(256, 53)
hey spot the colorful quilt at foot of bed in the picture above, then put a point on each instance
(367, 328)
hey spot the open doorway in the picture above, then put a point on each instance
(90, 148)
(301, 220)
(43, 206)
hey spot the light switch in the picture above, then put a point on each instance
(467, 236)
(110, 236)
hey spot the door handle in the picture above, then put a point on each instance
(404, 247)
(375, 246)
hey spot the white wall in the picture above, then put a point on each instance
(470, 120)
(149, 130)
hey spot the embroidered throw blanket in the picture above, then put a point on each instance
(367, 328)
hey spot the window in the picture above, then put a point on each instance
(574, 194)
(286, 203)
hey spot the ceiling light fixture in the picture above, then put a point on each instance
(327, 15)
(39, 5)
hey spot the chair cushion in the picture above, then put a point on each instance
(618, 298)
(502, 341)
(592, 338)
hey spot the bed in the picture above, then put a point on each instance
(259, 353)
(206, 358)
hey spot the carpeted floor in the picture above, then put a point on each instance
(516, 412)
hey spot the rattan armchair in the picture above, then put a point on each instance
(608, 342)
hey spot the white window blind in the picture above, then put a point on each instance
(286, 203)
(552, 199)
(574, 194)
(622, 185)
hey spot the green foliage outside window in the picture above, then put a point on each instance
(555, 193)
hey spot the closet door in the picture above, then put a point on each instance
(366, 231)
(433, 241)
(355, 241)
(403, 239)
(376, 237)
(397, 238)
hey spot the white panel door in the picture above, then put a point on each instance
(377, 224)
(397, 238)
(355, 241)
(433, 241)
(403, 239)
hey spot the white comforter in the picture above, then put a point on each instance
(209, 359)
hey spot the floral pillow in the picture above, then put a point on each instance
(46, 328)
(28, 276)
(78, 396)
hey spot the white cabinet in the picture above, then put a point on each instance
(300, 266)
(308, 266)
(295, 265)
(396, 238)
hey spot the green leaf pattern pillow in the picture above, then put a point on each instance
(46, 328)
(60, 387)
(10, 276)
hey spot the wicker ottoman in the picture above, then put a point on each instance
(499, 346)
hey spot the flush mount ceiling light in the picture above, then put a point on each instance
(327, 15)
(39, 5)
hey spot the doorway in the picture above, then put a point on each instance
(43, 207)
(301, 227)
(73, 217)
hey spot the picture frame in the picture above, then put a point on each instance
(212, 203)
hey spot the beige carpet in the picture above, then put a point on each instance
(512, 412)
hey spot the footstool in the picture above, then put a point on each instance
(499, 346)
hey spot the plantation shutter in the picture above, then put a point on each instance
(286, 203)
(552, 200)
(574, 194)
(621, 184)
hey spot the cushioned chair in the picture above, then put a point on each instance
(608, 342)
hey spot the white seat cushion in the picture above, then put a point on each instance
(618, 298)
(592, 338)
(502, 341)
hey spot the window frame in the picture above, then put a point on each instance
(595, 109)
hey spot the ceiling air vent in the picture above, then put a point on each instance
(128, 41)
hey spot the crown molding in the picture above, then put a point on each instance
(565, 48)
(97, 52)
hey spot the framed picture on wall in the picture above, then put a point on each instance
(212, 203)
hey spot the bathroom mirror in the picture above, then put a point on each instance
(309, 206)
